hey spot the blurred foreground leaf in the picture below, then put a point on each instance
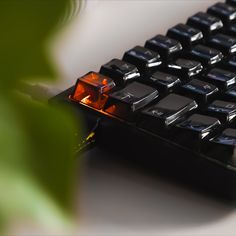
(25, 27)
(36, 164)
(36, 141)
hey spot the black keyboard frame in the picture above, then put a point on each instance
(152, 150)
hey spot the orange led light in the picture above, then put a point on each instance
(91, 88)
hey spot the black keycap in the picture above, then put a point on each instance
(199, 90)
(231, 30)
(130, 99)
(145, 59)
(120, 71)
(231, 2)
(169, 109)
(206, 55)
(184, 68)
(223, 11)
(165, 46)
(186, 35)
(231, 64)
(223, 79)
(224, 43)
(230, 95)
(208, 24)
(222, 147)
(224, 111)
(163, 82)
(191, 131)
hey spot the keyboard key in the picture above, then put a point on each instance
(223, 79)
(199, 90)
(224, 43)
(145, 59)
(230, 64)
(186, 35)
(223, 11)
(231, 30)
(130, 99)
(91, 89)
(224, 111)
(231, 2)
(121, 72)
(196, 128)
(208, 24)
(185, 68)
(222, 147)
(230, 94)
(165, 46)
(163, 82)
(169, 109)
(207, 56)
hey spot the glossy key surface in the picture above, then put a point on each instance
(195, 128)
(201, 91)
(225, 12)
(230, 94)
(130, 99)
(206, 55)
(224, 43)
(169, 109)
(208, 24)
(185, 68)
(186, 35)
(221, 78)
(165, 46)
(224, 111)
(222, 147)
(144, 59)
(230, 64)
(120, 71)
(231, 30)
(163, 82)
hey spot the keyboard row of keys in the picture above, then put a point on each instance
(139, 88)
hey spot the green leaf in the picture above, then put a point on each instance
(25, 28)
(37, 168)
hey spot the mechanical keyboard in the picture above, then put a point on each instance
(172, 100)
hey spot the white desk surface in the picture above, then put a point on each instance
(117, 200)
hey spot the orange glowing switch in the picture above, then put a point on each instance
(91, 89)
